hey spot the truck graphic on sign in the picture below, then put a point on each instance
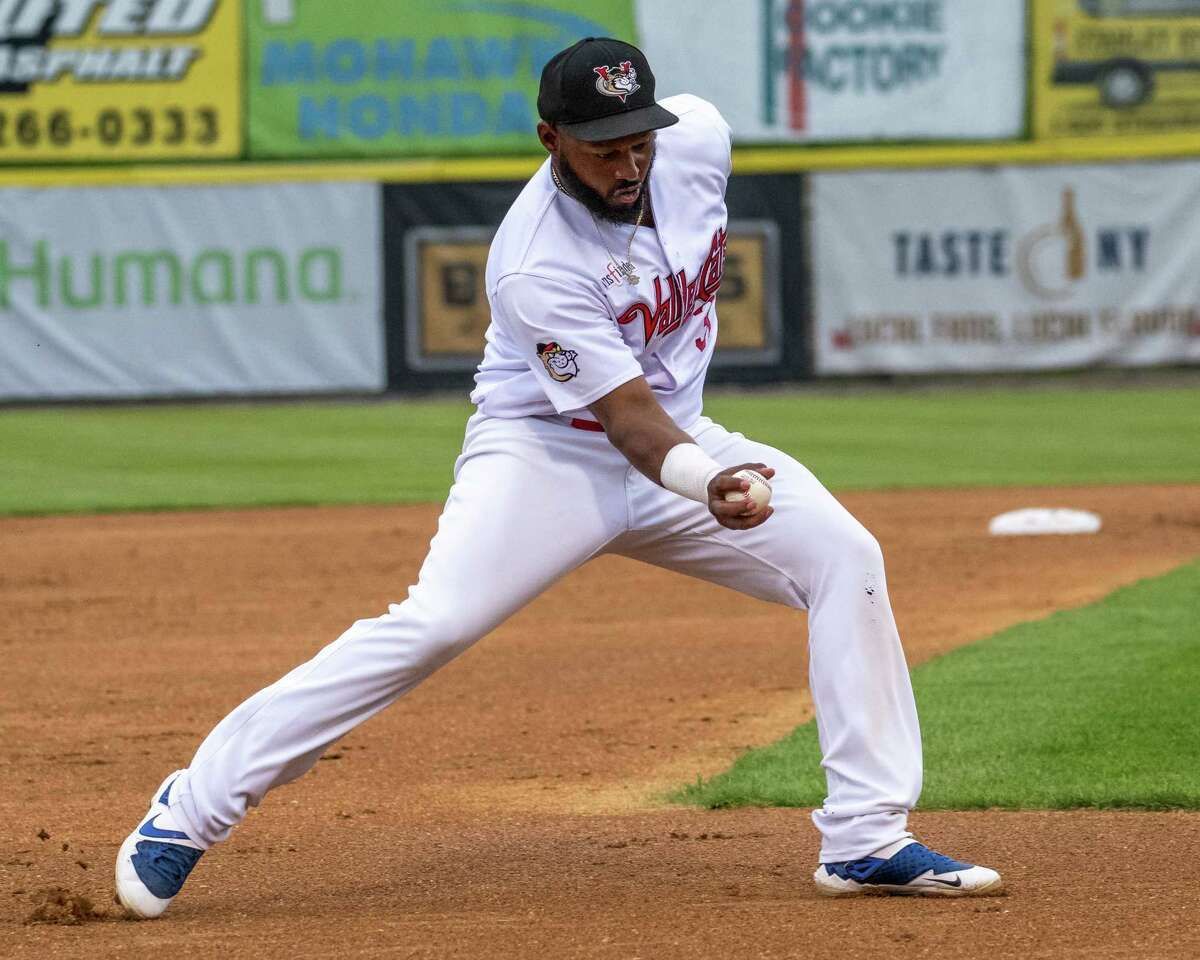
(1123, 46)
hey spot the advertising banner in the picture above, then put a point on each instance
(436, 238)
(1020, 268)
(190, 290)
(1116, 68)
(819, 70)
(120, 80)
(447, 312)
(363, 78)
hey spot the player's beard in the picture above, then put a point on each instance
(594, 201)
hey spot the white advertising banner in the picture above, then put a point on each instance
(163, 291)
(814, 70)
(1018, 268)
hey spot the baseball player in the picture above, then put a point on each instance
(602, 281)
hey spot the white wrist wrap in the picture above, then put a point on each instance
(687, 470)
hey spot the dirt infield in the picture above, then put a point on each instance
(508, 807)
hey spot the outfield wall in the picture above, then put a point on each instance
(246, 197)
(285, 288)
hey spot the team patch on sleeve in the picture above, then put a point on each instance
(559, 363)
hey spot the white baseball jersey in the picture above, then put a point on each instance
(568, 325)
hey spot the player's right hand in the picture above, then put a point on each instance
(737, 514)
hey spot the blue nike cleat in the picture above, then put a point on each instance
(155, 859)
(906, 868)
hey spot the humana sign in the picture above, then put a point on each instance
(151, 278)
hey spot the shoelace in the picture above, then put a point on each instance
(860, 870)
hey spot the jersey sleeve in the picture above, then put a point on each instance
(566, 337)
(716, 143)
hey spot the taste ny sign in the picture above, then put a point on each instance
(1019, 268)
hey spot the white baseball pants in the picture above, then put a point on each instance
(492, 554)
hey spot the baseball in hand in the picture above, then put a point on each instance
(760, 490)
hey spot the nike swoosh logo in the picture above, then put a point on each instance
(148, 829)
(956, 882)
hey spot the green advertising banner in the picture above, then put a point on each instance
(373, 78)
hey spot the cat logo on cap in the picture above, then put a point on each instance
(560, 363)
(618, 82)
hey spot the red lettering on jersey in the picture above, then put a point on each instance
(702, 342)
(677, 300)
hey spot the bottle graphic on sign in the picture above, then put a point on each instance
(1068, 225)
(1053, 258)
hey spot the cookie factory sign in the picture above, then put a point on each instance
(794, 70)
(1019, 268)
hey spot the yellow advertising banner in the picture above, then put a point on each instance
(454, 310)
(448, 311)
(1128, 69)
(743, 308)
(120, 80)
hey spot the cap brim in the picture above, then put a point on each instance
(620, 125)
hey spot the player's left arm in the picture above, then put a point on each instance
(638, 426)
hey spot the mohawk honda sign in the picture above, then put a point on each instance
(119, 79)
(797, 70)
(363, 78)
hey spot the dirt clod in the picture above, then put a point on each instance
(61, 906)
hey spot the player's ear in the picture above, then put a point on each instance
(548, 134)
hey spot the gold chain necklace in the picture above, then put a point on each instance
(624, 267)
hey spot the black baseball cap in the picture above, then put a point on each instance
(601, 89)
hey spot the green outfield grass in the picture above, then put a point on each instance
(204, 455)
(1095, 707)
